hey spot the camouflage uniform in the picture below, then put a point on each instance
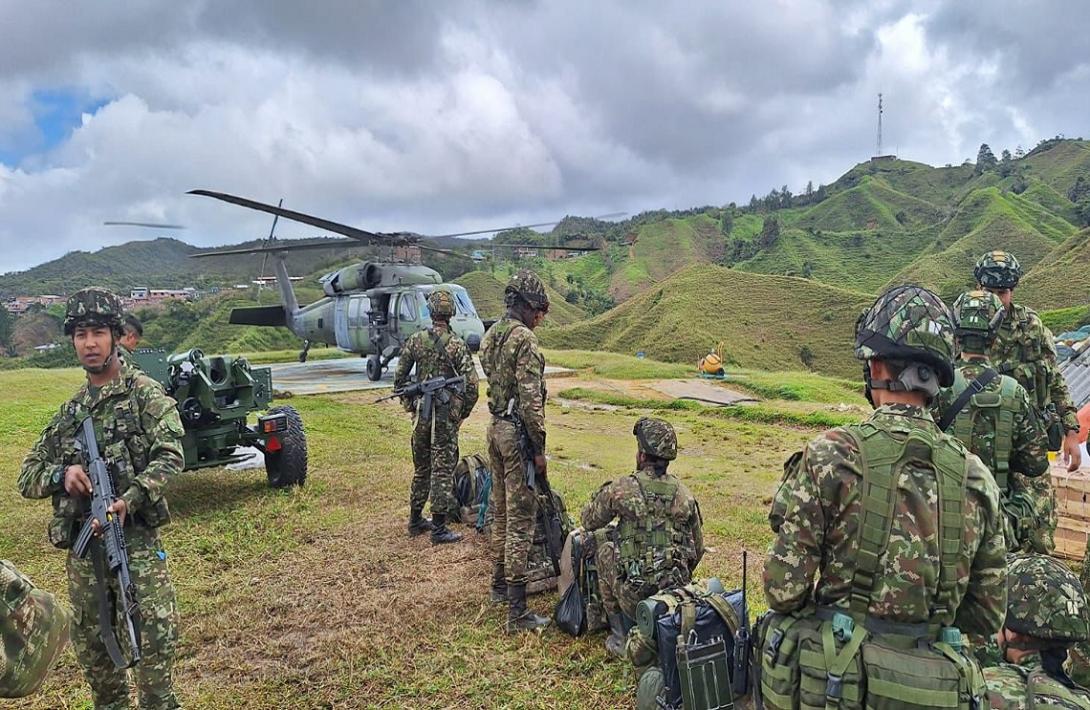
(1046, 604)
(33, 632)
(438, 352)
(978, 424)
(1024, 349)
(139, 434)
(515, 369)
(817, 511)
(629, 500)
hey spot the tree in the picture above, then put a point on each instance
(785, 197)
(1082, 212)
(985, 159)
(1019, 153)
(726, 223)
(7, 328)
(809, 188)
(770, 232)
(1005, 167)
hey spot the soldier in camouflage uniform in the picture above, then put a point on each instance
(139, 435)
(437, 352)
(131, 332)
(1046, 613)
(906, 342)
(1023, 349)
(998, 423)
(516, 386)
(33, 632)
(658, 541)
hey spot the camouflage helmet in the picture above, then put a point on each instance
(998, 269)
(33, 632)
(977, 313)
(93, 306)
(656, 438)
(912, 324)
(528, 286)
(1045, 599)
(441, 304)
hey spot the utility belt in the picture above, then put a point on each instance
(824, 659)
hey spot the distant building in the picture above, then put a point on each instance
(882, 158)
(20, 304)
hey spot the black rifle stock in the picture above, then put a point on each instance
(103, 495)
(554, 531)
(427, 389)
(742, 642)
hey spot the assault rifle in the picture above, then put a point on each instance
(116, 563)
(428, 389)
(742, 642)
(539, 484)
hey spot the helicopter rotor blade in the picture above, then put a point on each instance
(360, 235)
(281, 246)
(152, 225)
(611, 215)
(437, 250)
(542, 246)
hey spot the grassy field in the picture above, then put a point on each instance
(315, 598)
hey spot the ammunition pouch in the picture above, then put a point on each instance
(154, 515)
(64, 525)
(1055, 428)
(824, 660)
(1021, 518)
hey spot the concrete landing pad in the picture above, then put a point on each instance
(345, 375)
(701, 391)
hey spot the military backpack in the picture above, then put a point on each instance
(646, 547)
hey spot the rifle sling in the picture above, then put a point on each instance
(975, 387)
(106, 607)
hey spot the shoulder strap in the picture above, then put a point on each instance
(878, 497)
(976, 386)
(439, 342)
(952, 466)
(1004, 430)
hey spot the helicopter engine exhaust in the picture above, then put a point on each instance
(358, 277)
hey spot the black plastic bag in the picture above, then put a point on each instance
(570, 612)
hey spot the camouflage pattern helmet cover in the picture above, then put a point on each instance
(977, 313)
(526, 284)
(1045, 599)
(441, 304)
(656, 437)
(908, 323)
(93, 306)
(33, 632)
(998, 269)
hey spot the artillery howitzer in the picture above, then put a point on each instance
(215, 396)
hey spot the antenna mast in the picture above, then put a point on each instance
(879, 125)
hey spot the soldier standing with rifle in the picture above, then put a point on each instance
(137, 431)
(516, 390)
(436, 353)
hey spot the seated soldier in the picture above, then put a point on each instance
(33, 632)
(1046, 615)
(658, 540)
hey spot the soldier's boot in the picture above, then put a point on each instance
(498, 593)
(519, 618)
(418, 524)
(616, 640)
(440, 533)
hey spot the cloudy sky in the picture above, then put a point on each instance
(441, 116)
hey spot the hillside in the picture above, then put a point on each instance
(767, 322)
(1061, 278)
(487, 294)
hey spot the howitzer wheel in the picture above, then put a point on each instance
(374, 368)
(288, 466)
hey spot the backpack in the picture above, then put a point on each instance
(840, 657)
(691, 643)
(646, 550)
(579, 578)
(472, 487)
(999, 408)
(541, 575)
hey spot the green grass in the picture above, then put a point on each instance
(617, 367)
(1060, 279)
(1063, 319)
(799, 386)
(486, 291)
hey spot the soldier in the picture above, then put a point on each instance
(1046, 614)
(658, 540)
(132, 331)
(516, 388)
(33, 632)
(995, 420)
(438, 352)
(139, 435)
(898, 522)
(1024, 350)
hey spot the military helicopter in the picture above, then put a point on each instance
(370, 307)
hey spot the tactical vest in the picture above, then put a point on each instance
(646, 547)
(1042, 690)
(828, 658)
(999, 408)
(502, 385)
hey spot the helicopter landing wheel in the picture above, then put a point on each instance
(374, 368)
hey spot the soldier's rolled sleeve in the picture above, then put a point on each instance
(163, 433)
(599, 512)
(36, 473)
(531, 386)
(984, 605)
(1028, 454)
(795, 552)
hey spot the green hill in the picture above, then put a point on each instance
(660, 249)
(1060, 279)
(487, 294)
(769, 322)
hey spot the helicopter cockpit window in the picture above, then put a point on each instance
(464, 304)
(406, 307)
